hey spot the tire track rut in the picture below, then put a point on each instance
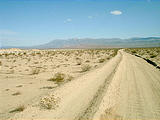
(92, 108)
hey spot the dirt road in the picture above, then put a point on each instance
(134, 92)
(125, 88)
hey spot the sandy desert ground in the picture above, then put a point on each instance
(109, 87)
(27, 75)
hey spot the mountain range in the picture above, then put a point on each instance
(97, 43)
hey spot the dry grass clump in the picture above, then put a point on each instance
(18, 109)
(47, 87)
(49, 102)
(0, 63)
(101, 60)
(16, 93)
(58, 77)
(19, 86)
(85, 68)
(87, 61)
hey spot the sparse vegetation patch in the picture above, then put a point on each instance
(49, 102)
(18, 109)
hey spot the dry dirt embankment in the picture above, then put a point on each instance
(78, 99)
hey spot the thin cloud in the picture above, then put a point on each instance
(68, 20)
(116, 12)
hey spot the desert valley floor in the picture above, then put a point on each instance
(99, 84)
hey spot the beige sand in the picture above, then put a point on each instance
(125, 88)
(24, 74)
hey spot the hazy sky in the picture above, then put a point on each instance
(31, 22)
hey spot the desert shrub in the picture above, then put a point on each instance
(0, 63)
(18, 109)
(152, 56)
(58, 77)
(16, 93)
(101, 60)
(87, 61)
(85, 68)
(47, 87)
(133, 52)
(49, 102)
(19, 86)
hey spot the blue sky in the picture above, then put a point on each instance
(33, 22)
